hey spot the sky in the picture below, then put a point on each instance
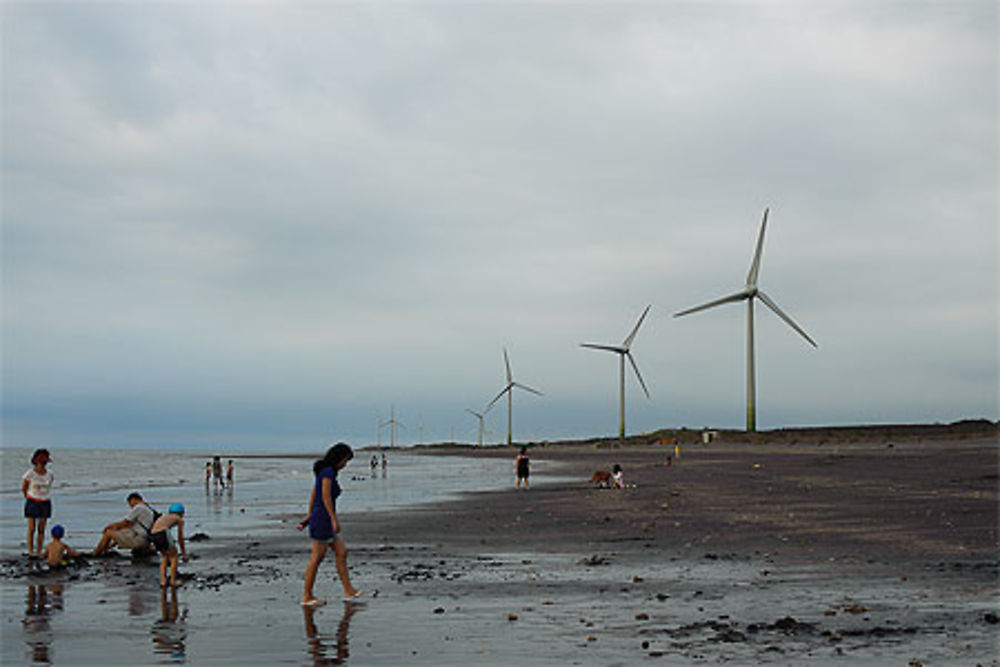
(268, 224)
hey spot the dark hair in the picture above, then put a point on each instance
(134, 494)
(524, 450)
(341, 452)
(617, 468)
(40, 453)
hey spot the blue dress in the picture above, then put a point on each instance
(319, 520)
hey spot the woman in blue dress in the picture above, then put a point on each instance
(324, 528)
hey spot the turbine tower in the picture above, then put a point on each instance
(480, 416)
(748, 294)
(392, 424)
(623, 351)
(509, 390)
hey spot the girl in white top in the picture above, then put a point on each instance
(617, 477)
(36, 486)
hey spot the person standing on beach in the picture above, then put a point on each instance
(324, 528)
(229, 473)
(217, 471)
(208, 473)
(36, 487)
(522, 465)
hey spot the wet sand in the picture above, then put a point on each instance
(871, 550)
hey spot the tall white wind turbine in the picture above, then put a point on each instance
(748, 294)
(509, 390)
(623, 351)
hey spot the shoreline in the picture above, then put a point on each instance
(778, 553)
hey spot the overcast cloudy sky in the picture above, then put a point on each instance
(263, 224)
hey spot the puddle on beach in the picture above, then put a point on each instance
(459, 608)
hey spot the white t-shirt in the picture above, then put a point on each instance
(39, 486)
(141, 516)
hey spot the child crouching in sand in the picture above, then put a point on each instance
(164, 541)
(57, 551)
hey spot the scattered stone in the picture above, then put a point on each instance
(595, 560)
(991, 618)
(439, 610)
(642, 616)
(199, 537)
(512, 617)
(645, 645)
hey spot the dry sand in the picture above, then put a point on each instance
(818, 548)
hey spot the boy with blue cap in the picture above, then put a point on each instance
(57, 551)
(161, 538)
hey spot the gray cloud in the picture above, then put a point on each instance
(308, 212)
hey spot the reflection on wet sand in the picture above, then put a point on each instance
(318, 646)
(170, 630)
(217, 498)
(37, 634)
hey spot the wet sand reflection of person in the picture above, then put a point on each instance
(38, 635)
(170, 630)
(316, 643)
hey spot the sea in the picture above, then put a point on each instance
(90, 487)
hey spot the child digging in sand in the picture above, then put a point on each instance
(57, 551)
(164, 541)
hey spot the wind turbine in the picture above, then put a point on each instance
(392, 424)
(623, 351)
(748, 294)
(480, 416)
(509, 390)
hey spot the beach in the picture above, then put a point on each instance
(871, 548)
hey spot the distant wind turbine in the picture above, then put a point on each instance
(748, 294)
(480, 416)
(623, 351)
(509, 390)
(392, 424)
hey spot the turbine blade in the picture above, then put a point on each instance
(628, 341)
(527, 388)
(773, 306)
(739, 296)
(473, 412)
(635, 367)
(500, 395)
(755, 265)
(606, 348)
(506, 363)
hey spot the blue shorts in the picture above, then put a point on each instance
(321, 531)
(37, 509)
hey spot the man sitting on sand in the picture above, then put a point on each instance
(132, 532)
